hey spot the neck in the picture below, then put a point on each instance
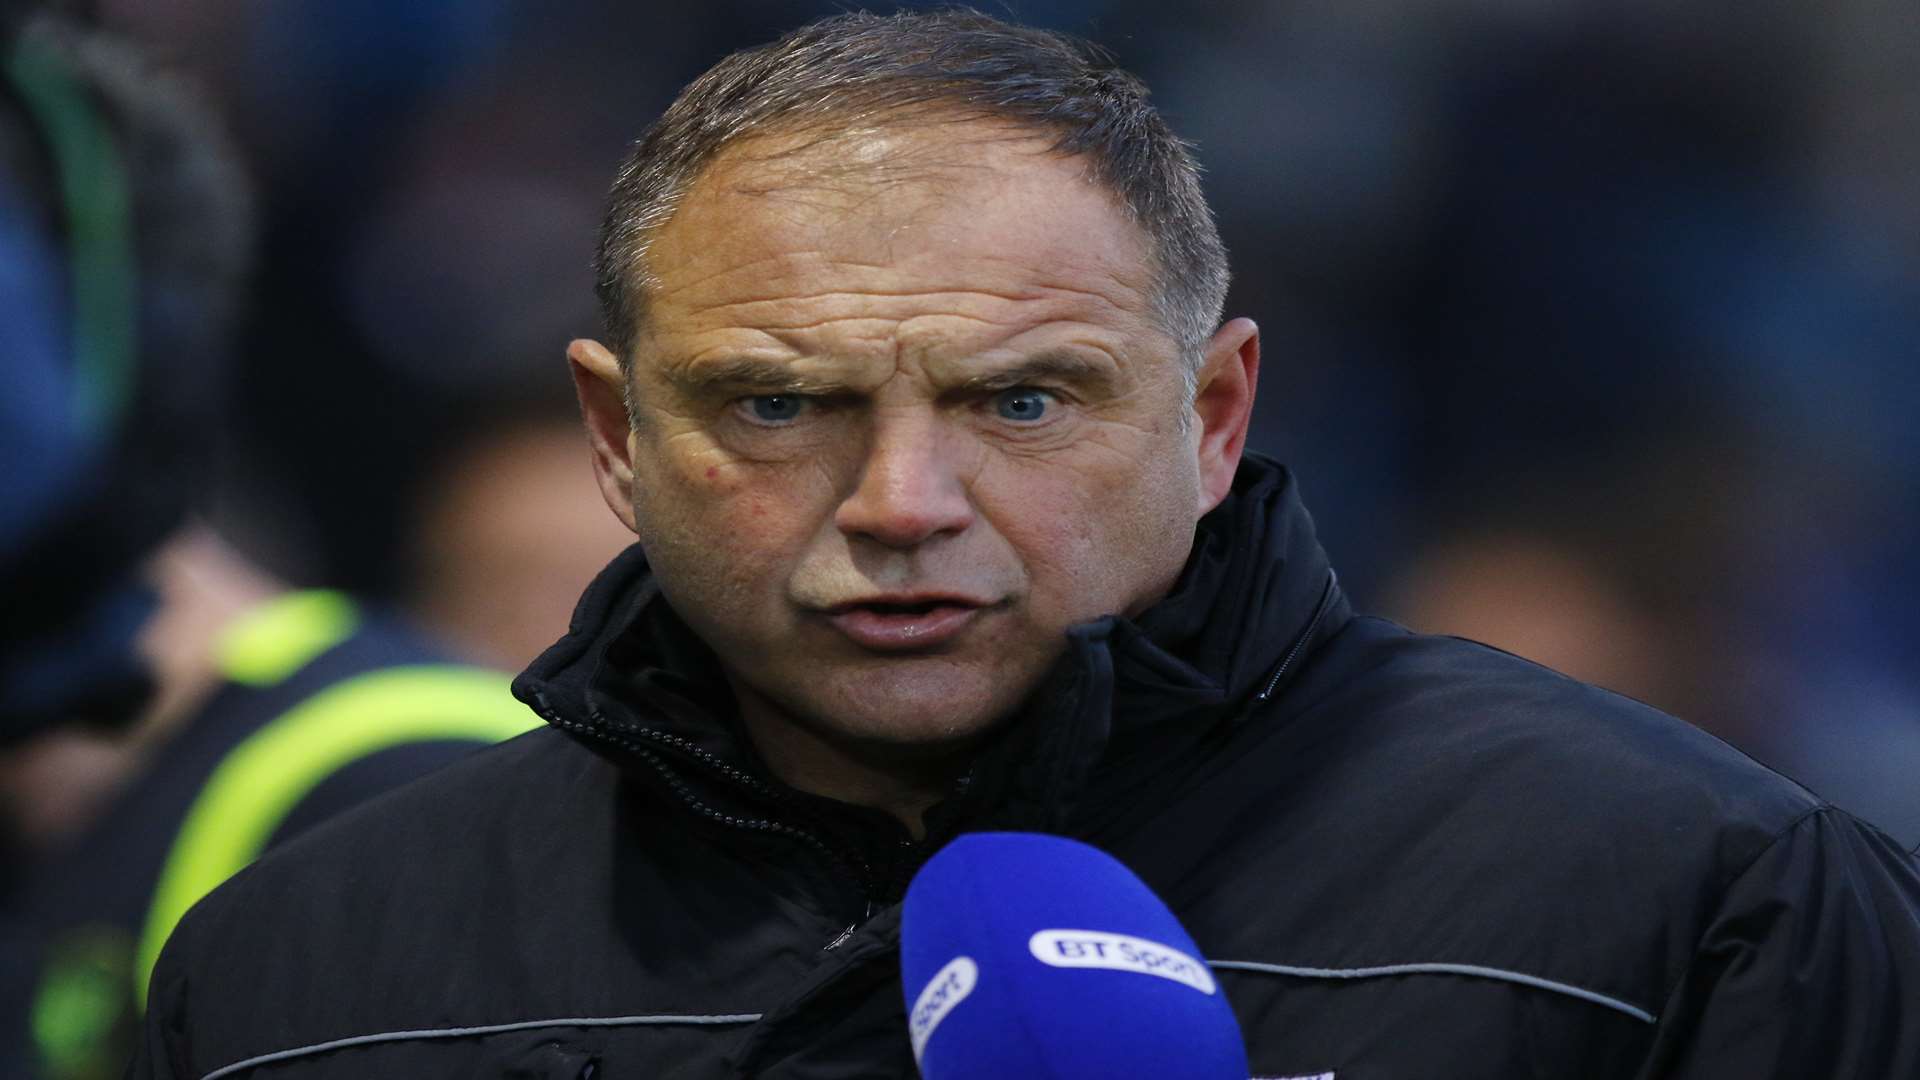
(902, 780)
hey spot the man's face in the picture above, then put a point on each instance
(901, 422)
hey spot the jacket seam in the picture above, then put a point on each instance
(376, 1038)
(1720, 899)
(1478, 971)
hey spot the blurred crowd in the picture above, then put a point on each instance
(1593, 326)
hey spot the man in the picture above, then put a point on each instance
(167, 709)
(917, 400)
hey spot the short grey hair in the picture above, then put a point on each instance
(871, 67)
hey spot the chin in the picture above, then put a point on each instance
(902, 709)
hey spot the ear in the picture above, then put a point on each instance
(601, 385)
(1223, 406)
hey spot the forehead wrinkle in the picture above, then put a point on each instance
(917, 335)
(741, 314)
(825, 338)
(812, 237)
(662, 291)
(896, 305)
(728, 179)
(880, 196)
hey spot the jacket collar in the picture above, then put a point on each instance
(1125, 704)
(1133, 703)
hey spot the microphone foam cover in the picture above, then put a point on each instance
(1024, 955)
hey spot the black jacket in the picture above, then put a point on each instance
(1407, 856)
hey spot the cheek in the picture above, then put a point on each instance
(690, 477)
(1094, 539)
(720, 526)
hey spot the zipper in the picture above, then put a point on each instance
(1319, 613)
(861, 869)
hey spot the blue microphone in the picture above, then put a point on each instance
(1025, 955)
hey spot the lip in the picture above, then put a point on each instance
(884, 631)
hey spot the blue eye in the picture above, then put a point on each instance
(776, 408)
(1021, 405)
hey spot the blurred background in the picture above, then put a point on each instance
(1592, 326)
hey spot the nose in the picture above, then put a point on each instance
(910, 489)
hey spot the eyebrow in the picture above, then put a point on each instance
(737, 373)
(1060, 364)
(748, 373)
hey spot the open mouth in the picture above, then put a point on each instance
(903, 625)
